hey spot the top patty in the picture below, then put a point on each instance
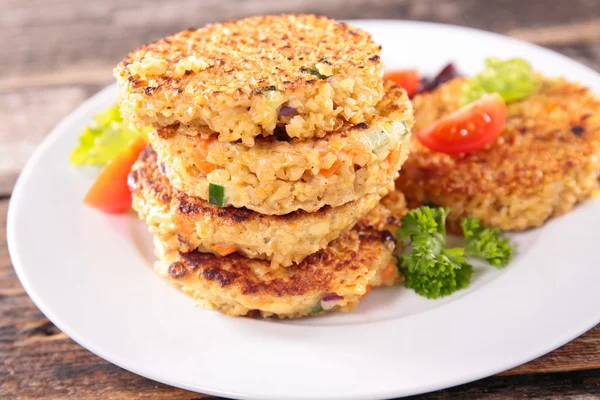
(545, 160)
(242, 78)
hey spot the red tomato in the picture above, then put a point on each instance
(467, 129)
(407, 78)
(110, 192)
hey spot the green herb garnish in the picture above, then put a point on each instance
(103, 138)
(216, 194)
(432, 269)
(485, 243)
(313, 71)
(512, 79)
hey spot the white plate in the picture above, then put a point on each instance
(90, 274)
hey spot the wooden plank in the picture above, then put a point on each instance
(7, 182)
(45, 36)
(582, 353)
(586, 32)
(579, 385)
(26, 117)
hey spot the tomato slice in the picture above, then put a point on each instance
(407, 78)
(110, 192)
(467, 129)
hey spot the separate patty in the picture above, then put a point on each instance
(306, 73)
(235, 285)
(278, 176)
(545, 161)
(187, 223)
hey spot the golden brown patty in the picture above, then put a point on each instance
(187, 223)
(544, 162)
(278, 177)
(333, 279)
(306, 73)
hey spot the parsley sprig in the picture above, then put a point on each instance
(434, 270)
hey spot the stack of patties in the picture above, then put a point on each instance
(274, 140)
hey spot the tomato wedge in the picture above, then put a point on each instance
(110, 192)
(407, 78)
(467, 129)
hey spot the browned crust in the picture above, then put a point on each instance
(548, 136)
(287, 42)
(147, 178)
(318, 273)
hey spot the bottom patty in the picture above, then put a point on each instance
(189, 223)
(544, 162)
(333, 279)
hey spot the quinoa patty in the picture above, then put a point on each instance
(306, 73)
(237, 286)
(278, 176)
(187, 223)
(545, 161)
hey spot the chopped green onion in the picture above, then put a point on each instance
(313, 71)
(406, 130)
(379, 138)
(317, 308)
(216, 194)
(512, 79)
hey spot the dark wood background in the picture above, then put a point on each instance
(56, 53)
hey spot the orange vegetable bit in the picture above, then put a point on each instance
(388, 272)
(110, 192)
(393, 158)
(326, 173)
(205, 166)
(367, 291)
(224, 249)
(202, 146)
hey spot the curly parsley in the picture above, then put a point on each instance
(434, 270)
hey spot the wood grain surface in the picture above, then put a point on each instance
(55, 54)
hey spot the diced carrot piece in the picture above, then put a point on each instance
(367, 291)
(388, 272)
(331, 170)
(393, 158)
(224, 249)
(205, 166)
(202, 147)
(336, 164)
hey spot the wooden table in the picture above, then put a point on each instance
(55, 54)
